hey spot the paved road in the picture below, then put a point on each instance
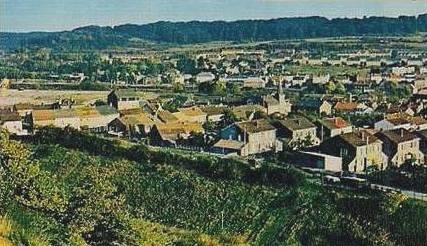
(411, 194)
(408, 193)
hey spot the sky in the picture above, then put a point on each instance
(57, 15)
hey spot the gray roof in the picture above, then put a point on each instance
(106, 110)
(255, 126)
(297, 124)
(126, 93)
(398, 135)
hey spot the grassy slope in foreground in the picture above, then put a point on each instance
(82, 198)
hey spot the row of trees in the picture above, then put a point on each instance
(42, 63)
(198, 32)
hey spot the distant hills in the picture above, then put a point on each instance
(96, 37)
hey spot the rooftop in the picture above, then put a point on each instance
(255, 126)
(126, 93)
(334, 123)
(193, 111)
(214, 110)
(402, 118)
(297, 124)
(173, 130)
(166, 116)
(229, 144)
(138, 119)
(270, 100)
(360, 138)
(6, 115)
(398, 135)
(345, 106)
(243, 111)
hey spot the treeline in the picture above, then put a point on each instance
(95, 37)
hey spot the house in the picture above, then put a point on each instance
(417, 123)
(257, 136)
(358, 150)
(254, 83)
(316, 160)
(131, 125)
(401, 146)
(214, 113)
(192, 114)
(166, 117)
(204, 77)
(401, 120)
(391, 123)
(423, 143)
(331, 127)
(321, 79)
(58, 118)
(322, 107)
(346, 107)
(246, 112)
(96, 119)
(11, 121)
(420, 83)
(124, 99)
(228, 146)
(277, 103)
(410, 109)
(400, 71)
(297, 131)
(26, 108)
(168, 134)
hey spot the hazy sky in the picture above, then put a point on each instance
(52, 15)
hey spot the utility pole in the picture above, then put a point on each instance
(321, 133)
(366, 161)
(222, 220)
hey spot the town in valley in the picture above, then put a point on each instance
(216, 133)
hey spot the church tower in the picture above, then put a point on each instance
(280, 96)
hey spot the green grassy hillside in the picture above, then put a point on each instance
(56, 191)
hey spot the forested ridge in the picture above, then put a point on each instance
(96, 37)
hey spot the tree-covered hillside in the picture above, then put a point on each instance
(69, 188)
(94, 37)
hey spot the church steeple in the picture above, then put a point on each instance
(280, 96)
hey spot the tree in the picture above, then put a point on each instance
(187, 66)
(340, 88)
(260, 115)
(178, 87)
(229, 117)
(219, 88)
(302, 143)
(234, 89)
(330, 87)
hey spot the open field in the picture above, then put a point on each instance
(11, 97)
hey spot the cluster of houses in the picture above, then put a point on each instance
(270, 122)
(257, 68)
(330, 142)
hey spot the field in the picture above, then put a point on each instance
(11, 97)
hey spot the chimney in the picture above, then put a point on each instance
(401, 133)
(362, 135)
